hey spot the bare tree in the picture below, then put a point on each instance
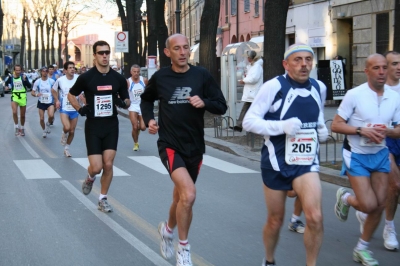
(152, 25)
(1, 28)
(396, 39)
(274, 37)
(162, 32)
(22, 54)
(208, 32)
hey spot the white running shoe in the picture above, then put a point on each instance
(361, 217)
(183, 256)
(48, 130)
(66, 153)
(64, 138)
(166, 245)
(16, 131)
(390, 241)
(44, 135)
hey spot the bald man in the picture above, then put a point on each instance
(364, 116)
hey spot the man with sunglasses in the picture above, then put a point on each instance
(104, 89)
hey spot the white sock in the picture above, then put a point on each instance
(91, 178)
(102, 196)
(168, 229)
(344, 198)
(389, 224)
(183, 242)
(66, 147)
(294, 218)
(22, 127)
(361, 245)
(16, 126)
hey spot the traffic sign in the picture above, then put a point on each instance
(9, 47)
(121, 42)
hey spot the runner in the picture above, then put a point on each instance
(42, 89)
(184, 93)
(364, 117)
(18, 86)
(104, 89)
(289, 159)
(68, 115)
(136, 87)
(389, 233)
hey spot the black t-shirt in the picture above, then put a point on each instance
(101, 91)
(181, 124)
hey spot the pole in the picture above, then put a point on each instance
(178, 17)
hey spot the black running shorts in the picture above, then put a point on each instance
(101, 134)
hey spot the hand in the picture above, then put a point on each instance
(120, 103)
(323, 133)
(241, 81)
(58, 104)
(196, 101)
(375, 134)
(153, 127)
(291, 126)
(84, 110)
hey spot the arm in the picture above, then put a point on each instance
(214, 100)
(253, 75)
(147, 100)
(34, 91)
(54, 92)
(26, 82)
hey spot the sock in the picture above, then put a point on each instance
(16, 126)
(91, 178)
(294, 218)
(169, 230)
(389, 224)
(183, 242)
(362, 244)
(102, 196)
(66, 147)
(22, 127)
(344, 198)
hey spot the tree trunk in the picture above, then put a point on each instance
(59, 49)
(396, 39)
(29, 48)
(36, 63)
(132, 16)
(52, 49)
(274, 37)
(208, 33)
(22, 54)
(162, 32)
(151, 25)
(1, 32)
(48, 29)
(43, 47)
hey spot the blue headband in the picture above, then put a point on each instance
(298, 48)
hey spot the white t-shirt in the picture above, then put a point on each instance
(44, 87)
(135, 90)
(361, 107)
(62, 86)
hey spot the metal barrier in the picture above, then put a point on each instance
(219, 125)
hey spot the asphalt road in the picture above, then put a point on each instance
(46, 220)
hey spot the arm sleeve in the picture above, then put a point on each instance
(55, 85)
(123, 91)
(26, 83)
(254, 74)
(147, 100)
(77, 87)
(347, 105)
(323, 89)
(254, 119)
(214, 100)
(35, 85)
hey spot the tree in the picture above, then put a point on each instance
(396, 39)
(208, 33)
(274, 37)
(1, 28)
(23, 24)
(162, 32)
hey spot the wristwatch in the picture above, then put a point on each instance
(358, 131)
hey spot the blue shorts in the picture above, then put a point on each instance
(394, 148)
(282, 180)
(364, 164)
(71, 115)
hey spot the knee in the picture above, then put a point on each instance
(71, 131)
(22, 116)
(368, 207)
(394, 187)
(135, 126)
(314, 218)
(41, 119)
(107, 166)
(188, 198)
(274, 222)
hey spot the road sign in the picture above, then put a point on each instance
(9, 47)
(121, 42)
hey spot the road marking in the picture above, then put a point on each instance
(225, 166)
(36, 169)
(84, 162)
(122, 232)
(28, 147)
(151, 162)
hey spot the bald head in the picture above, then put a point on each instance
(173, 36)
(376, 70)
(372, 58)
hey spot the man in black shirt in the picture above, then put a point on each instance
(104, 89)
(184, 93)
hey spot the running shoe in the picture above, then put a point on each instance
(16, 131)
(64, 138)
(364, 256)
(66, 153)
(361, 217)
(341, 209)
(297, 227)
(265, 263)
(166, 245)
(104, 206)
(48, 130)
(87, 185)
(390, 241)
(44, 135)
(183, 256)
(136, 147)
(22, 132)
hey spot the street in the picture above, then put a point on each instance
(47, 221)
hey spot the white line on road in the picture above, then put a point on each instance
(28, 148)
(122, 232)
(36, 169)
(84, 162)
(225, 166)
(151, 162)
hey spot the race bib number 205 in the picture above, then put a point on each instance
(301, 148)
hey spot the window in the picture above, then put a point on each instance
(256, 8)
(226, 11)
(246, 6)
(382, 32)
(233, 7)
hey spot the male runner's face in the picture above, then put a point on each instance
(178, 51)
(51, 71)
(298, 65)
(376, 71)
(44, 73)
(393, 66)
(135, 72)
(102, 55)
(70, 70)
(17, 71)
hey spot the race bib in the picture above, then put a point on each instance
(137, 93)
(367, 142)
(18, 86)
(45, 98)
(103, 105)
(301, 148)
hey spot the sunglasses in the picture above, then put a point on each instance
(103, 52)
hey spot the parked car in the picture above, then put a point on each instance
(1, 87)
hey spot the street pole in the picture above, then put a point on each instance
(178, 17)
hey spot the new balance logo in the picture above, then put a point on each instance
(180, 95)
